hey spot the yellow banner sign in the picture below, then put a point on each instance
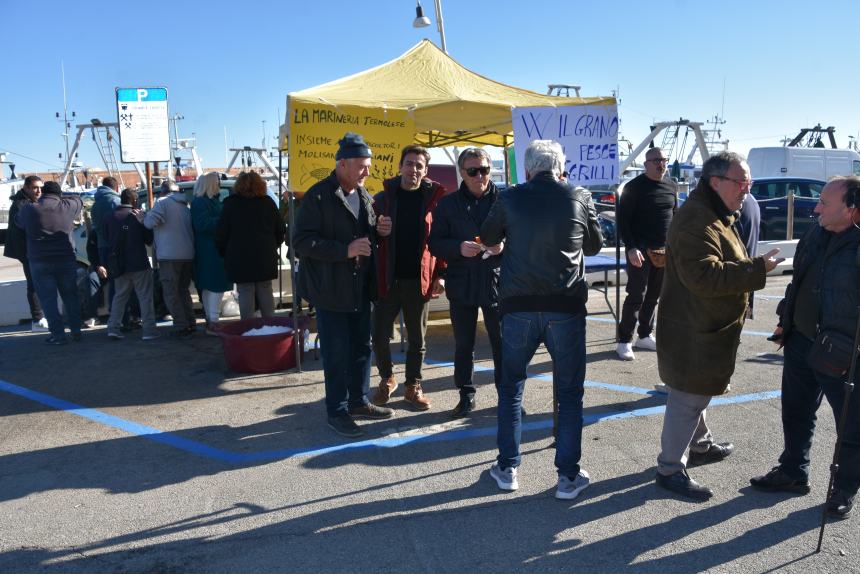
(315, 130)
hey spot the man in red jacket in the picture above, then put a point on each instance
(408, 275)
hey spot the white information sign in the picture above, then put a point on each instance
(143, 125)
(588, 134)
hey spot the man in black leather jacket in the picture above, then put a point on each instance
(335, 233)
(821, 300)
(547, 226)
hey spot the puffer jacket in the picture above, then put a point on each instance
(704, 298)
(547, 226)
(838, 285)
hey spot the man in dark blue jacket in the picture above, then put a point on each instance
(821, 301)
(472, 275)
(335, 232)
(127, 239)
(547, 227)
(48, 225)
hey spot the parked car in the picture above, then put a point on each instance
(772, 196)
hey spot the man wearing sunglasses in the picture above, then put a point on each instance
(472, 275)
(644, 213)
(709, 277)
(408, 275)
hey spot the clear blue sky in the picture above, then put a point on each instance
(785, 64)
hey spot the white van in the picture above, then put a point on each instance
(808, 162)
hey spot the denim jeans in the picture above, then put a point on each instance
(464, 321)
(49, 278)
(802, 391)
(345, 347)
(564, 337)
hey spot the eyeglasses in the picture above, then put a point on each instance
(659, 160)
(473, 171)
(742, 183)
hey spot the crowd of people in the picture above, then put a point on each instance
(517, 257)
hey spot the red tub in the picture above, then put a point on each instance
(263, 353)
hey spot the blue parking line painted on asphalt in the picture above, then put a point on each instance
(206, 451)
(744, 332)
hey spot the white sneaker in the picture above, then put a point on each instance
(506, 479)
(40, 326)
(90, 323)
(625, 351)
(649, 343)
(570, 489)
(115, 335)
(661, 388)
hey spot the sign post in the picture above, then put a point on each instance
(143, 127)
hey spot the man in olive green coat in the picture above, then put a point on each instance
(702, 308)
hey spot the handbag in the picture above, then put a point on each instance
(831, 354)
(657, 257)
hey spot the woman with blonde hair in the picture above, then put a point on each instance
(248, 236)
(210, 276)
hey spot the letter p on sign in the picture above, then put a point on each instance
(141, 94)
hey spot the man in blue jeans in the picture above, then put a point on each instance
(547, 226)
(334, 236)
(48, 225)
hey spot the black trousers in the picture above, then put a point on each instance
(405, 295)
(36, 312)
(464, 320)
(643, 290)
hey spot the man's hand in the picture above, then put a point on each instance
(777, 336)
(138, 214)
(383, 225)
(634, 256)
(495, 249)
(438, 288)
(771, 261)
(102, 272)
(470, 249)
(359, 247)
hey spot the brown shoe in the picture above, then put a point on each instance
(383, 393)
(414, 395)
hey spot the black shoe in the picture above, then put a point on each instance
(464, 407)
(777, 481)
(681, 483)
(369, 411)
(840, 505)
(715, 453)
(56, 341)
(344, 426)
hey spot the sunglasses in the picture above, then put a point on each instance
(473, 171)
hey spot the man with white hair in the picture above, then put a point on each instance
(547, 226)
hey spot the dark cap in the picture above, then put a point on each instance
(52, 187)
(352, 145)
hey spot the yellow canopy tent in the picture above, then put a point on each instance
(449, 104)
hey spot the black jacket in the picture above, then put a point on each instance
(16, 239)
(458, 217)
(248, 236)
(547, 226)
(325, 227)
(125, 234)
(838, 286)
(49, 224)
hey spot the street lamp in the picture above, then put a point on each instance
(422, 21)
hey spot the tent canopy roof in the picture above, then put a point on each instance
(449, 103)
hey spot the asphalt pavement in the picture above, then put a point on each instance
(133, 456)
